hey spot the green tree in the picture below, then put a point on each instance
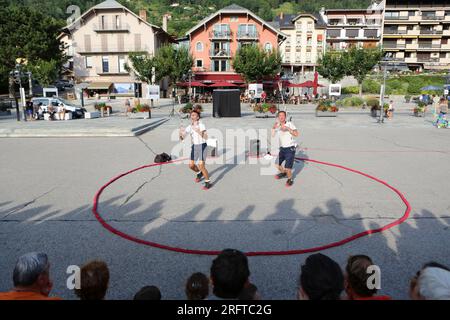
(169, 61)
(333, 65)
(142, 66)
(173, 62)
(360, 62)
(45, 72)
(254, 64)
(26, 33)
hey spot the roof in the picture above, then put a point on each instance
(234, 8)
(110, 4)
(288, 20)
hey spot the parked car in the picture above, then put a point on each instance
(77, 112)
(62, 84)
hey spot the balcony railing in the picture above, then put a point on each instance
(224, 53)
(433, 17)
(427, 59)
(109, 27)
(429, 46)
(225, 35)
(250, 35)
(431, 31)
(396, 18)
(109, 49)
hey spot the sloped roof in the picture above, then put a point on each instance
(108, 4)
(288, 20)
(234, 8)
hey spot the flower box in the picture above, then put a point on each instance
(140, 115)
(265, 110)
(326, 108)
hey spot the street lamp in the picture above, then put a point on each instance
(386, 59)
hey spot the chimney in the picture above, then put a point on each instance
(166, 18)
(143, 14)
(281, 15)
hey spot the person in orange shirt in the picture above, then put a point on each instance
(356, 279)
(31, 279)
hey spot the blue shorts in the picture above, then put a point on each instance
(286, 155)
(198, 152)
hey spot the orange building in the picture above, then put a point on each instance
(214, 41)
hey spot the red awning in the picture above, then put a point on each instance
(214, 77)
(223, 84)
(192, 84)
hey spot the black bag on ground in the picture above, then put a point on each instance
(163, 157)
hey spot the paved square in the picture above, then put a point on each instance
(48, 186)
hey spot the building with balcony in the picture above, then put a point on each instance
(214, 41)
(348, 28)
(417, 33)
(305, 41)
(98, 44)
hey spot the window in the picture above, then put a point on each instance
(221, 30)
(310, 27)
(88, 62)
(199, 63)
(199, 47)
(117, 22)
(220, 49)
(220, 65)
(268, 47)
(247, 29)
(105, 64)
(122, 64)
(103, 22)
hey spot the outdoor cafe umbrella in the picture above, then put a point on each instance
(431, 88)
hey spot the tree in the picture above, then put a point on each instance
(169, 61)
(173, 62)
(361, 61)
(255, 64)
(45, 72)
(333, 65)
(142, 66)
(28, 34)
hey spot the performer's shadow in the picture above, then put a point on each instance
(299, 164)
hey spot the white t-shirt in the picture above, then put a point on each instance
(286, 138)
(195, 137)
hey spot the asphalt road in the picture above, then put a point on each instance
(48, 186)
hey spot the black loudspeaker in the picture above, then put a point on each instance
(227, 103)
(254, 148)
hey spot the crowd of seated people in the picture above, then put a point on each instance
(319, 278)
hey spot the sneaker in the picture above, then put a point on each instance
(198, 177)
(207, 185)
(280, 176)
(289, 182)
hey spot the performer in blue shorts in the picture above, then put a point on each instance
(287, 132)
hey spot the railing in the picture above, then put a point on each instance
(396, 18)
(110, 49)
(431, 32)
(110, 27)
(248, 35)
(427, 59)
(219, 52)
(434, 17)
(220, 34)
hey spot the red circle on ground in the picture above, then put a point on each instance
(254, 253)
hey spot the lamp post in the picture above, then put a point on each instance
(385, 61)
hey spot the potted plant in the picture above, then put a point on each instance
(326, 108)
(102, 107)
(141, 111)
(265, 110)
(419, 110)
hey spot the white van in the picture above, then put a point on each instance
(77, 112)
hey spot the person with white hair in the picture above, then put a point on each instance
(31, 278)
(431, 283)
